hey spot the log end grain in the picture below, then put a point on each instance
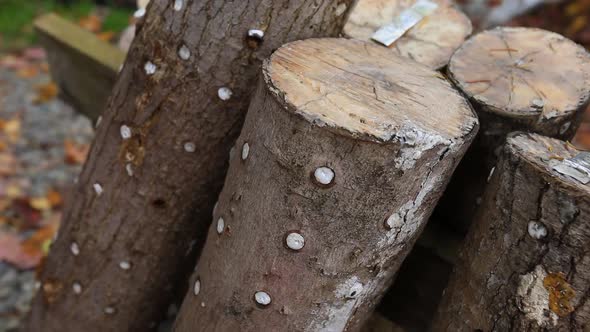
(431, 42)
(523, 73)
(359, 89)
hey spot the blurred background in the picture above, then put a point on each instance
(58, 61)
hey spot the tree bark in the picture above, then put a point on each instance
(340, 162)
(144, 199)
(431, 42)
(518, 79)
(525, 264)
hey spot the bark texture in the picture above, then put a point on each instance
(431, 42)
(525, 264)
(518, 79)
(374, 124)
(144, 199)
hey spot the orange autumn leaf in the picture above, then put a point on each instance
(105, 35)
(13, 191)
(573, 9)
(577, 25)
(46, 92)
(2, 146)
(36, 247)
(51, 199)
(39, 203)
(28, 72)
(11, 128)
(8, 164)
(38, 244)
(44, 67)
(75, 153)
(91, 23)
(11, 251)
(54, 198)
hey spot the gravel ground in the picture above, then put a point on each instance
(40, 152)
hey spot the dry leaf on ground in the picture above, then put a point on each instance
(106, 36)
(11, 251)
(40, 203)
(91, 23)
(75, 153)
(38, 244)
(45, 93)
(54, 198)
(8, 164)
(11, 128)
(29, 71)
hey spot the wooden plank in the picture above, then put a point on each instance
(84, 67)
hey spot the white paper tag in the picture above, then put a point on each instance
(408, 18)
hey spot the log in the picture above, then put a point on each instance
(341, 160)
(83, 66)
(517, 79)
(525, 265)
(431, 42)
(144, 199)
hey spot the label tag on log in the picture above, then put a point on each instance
(391, 32)
(577, 167)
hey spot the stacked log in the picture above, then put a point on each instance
(517, 79)
(430, 42)
(525, 265)
(144, 198)
(343, 155)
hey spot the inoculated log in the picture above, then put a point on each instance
(343, 155)
(431, 42)
(517, 79)
(143, 202)
(525, 265)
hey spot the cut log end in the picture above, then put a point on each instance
(523, 73)
(359, 89)
(431, 42)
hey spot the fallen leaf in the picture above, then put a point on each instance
(8, 164)
(45, 93)
(44, 67)
(38, 244)
(576, 25)
(12, 62)
(40, 203)
(13, 191)
(4, 203)
(29, 218)
(91, 23)
(11, 128)
(105, 35)
(75, 153)
(11, 251)
(2, 146)
(28, 72)
(35, 53)
(54, 198)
